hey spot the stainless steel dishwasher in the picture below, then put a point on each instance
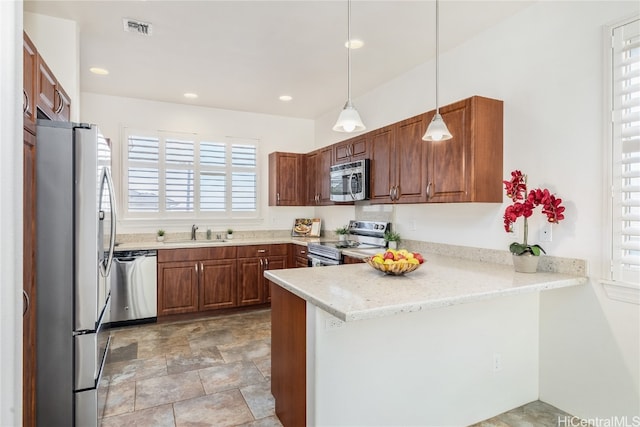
(134, 293)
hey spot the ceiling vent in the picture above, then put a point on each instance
(134, 26)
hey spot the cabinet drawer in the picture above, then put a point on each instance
(196, 254)
(252, 251)
(299, 251)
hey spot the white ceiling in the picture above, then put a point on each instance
(242, 55)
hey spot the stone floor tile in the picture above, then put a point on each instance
(259, 399)
(210, 339)
(167, 389)
(199, 359)
(264, 366)
(272, 421)
(120, 399)
(159, 416)
(247, 351)
(135, 370)
(226, 408)
(231, 375)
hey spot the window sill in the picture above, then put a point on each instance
(620, 291)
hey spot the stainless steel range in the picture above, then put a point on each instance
(362, 235)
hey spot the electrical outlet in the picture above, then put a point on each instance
(545, 233)
(497, 362)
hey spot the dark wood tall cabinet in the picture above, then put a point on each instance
(42, 95)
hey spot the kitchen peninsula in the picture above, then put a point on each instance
(452, 343)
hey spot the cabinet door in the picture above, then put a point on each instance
(273, 263)
(177, 287)
(29, 75)
(323, 175)
(284, 182)
(250, 281)
(449, 161)
(410, 157)
(217, 284)
(46, 87)
(381, 146)
(311, 179)
(351, 260)
(29, 281)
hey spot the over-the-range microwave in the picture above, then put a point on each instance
(350, 181)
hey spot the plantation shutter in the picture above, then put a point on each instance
(243, 178)
(626, 153)
(143, 174)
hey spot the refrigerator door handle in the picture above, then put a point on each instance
(105, 267)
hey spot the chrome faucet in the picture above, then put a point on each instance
(193, 232)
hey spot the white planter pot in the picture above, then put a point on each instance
(525, 263)
(393, 245)
(229, 236)
(160, 238)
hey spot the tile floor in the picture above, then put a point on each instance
(216, 372)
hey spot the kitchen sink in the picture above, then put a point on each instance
(193, 242)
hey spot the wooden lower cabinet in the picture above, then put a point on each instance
(289, 356)
(351, 260)
(29, 281)
(217, 285)
(298, 256)
(177, 288)
(196, 280)
(252, 262)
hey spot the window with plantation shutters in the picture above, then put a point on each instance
(179, 177)
(625, 144)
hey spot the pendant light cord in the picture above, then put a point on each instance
(437, 56)
(349, 51)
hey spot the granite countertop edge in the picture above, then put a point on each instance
(359, 293)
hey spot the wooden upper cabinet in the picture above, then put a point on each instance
(382, 173)
(410, 162)
(398, 162)
(468, 167)
(30, 72)
(285, 179)
(318, 179)
(352, 149)
(52, 100)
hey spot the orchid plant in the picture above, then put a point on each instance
(523, 205)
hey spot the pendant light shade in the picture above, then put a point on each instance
(437, 129)
(349, 120)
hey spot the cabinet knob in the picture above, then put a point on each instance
(261, 263)
(277, 198)
(196, 267)
(261, 251)
(429, 190)
(266, 263)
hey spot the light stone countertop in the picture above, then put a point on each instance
(203, 243)
(358, 292)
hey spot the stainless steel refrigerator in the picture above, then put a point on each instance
(76, 236)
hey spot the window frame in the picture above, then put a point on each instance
(163, 216)
(615, 288)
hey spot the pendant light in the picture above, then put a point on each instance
(437, 130)
(349, 119)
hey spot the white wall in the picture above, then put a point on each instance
(11, 213)
(442, 376)
(546, 63)
(58, 42)
(275, 133)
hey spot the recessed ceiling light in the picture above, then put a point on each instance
(355, 44)
(191, 95)
(99, 71)
(286, 98)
